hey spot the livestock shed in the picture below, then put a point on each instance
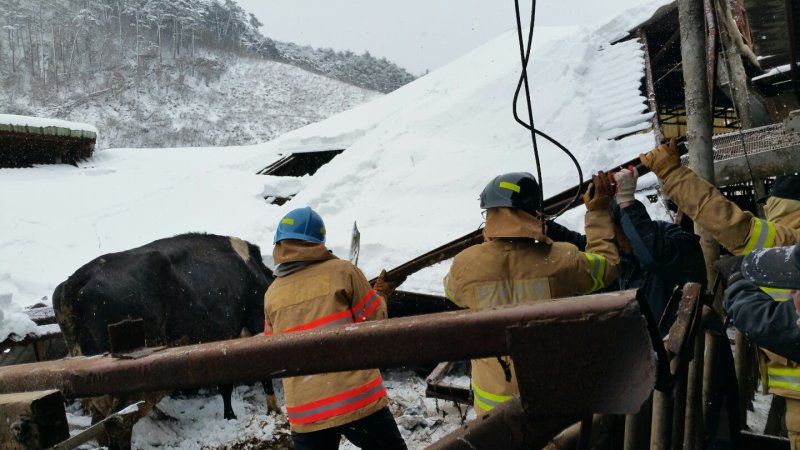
(25, 141)
(752, 85)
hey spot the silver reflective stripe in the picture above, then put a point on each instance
(763, 234)
(335, 405)
(366, 306)
(784, 378)
(485, 401)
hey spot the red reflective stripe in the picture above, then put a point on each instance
(267, 328)
(339, 411)
(339, 315)
(334, 398)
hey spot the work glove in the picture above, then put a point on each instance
(598, 196)
(384, 287)
(730, 268)
(663, 159)
(272, 404)
(625, 180)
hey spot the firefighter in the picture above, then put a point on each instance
(655, 256)
(315, 289)
(518, 263)
(741, 233)
(770, 324)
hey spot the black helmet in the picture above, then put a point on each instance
(512, 190)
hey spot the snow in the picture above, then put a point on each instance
(772, 72)
(414, 164)
(12, 119)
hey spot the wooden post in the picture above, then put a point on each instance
(737, 77)
(32, 420)
(651, 91)
(691, 18)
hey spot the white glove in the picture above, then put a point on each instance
(626, 184)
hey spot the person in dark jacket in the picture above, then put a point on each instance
(655, 256)
(770, 324)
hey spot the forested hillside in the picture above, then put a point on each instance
(172, 72)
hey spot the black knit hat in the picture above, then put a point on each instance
(777, 267)
(785, 186)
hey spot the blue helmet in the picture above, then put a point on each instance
(303, 224)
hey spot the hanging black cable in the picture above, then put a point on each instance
(525, 51)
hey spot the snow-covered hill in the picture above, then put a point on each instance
(240, 101)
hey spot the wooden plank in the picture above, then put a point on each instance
(32, 420)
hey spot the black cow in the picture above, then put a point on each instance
(188, 289)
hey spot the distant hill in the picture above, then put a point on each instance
(157, 73)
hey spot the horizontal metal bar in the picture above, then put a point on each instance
(427, 339)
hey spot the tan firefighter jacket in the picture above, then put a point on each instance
(741, 233)
(517, 264)
(325, 291)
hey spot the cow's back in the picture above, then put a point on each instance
(225, 281)
(190, 288)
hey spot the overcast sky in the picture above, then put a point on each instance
(416, 34)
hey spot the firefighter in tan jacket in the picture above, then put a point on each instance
(741, 233)
(315, 289)
(518, 263)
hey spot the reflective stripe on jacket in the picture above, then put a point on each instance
(741, 232)
(329, 292)
(485, 401)
(336, 404)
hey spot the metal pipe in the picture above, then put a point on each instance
(679, 410)
(693, 432)
(709, 372)
(637, 427)
(598, 325)
(506, 426)
(661, 434)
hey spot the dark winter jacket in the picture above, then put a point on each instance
(664, 256)
(770, 324)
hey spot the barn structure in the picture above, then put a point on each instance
(25, 141)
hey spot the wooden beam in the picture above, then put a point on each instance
(32, 420)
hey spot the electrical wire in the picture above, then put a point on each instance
(525, 51)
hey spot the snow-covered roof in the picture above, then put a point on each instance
(40, 125)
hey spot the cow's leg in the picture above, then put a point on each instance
(225, 390)
(272, 401)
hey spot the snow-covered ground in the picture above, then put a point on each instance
(414, 164)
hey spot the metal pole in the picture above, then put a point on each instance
(679, 411)
(506, 426)
(743, 362)
(694, 397)
(637, 427)
(661, 434)
(709, 372)
(597, 326)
